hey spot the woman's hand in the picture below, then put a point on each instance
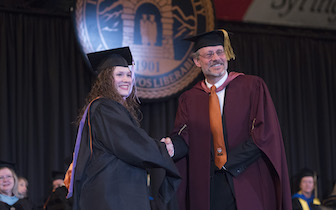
(169, 145)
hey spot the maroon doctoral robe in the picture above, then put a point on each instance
(249, 113)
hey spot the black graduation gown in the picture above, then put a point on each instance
(297, 205)
(113, 175)
(57, 200)
(21, 204)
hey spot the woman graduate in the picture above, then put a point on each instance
(112, 152)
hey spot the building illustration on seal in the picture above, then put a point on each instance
(148, 30)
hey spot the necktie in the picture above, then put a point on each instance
(216, 127)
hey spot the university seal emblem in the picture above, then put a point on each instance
(154, 30)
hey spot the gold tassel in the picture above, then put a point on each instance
(227, 46)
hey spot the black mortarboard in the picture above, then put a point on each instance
(57, 175)
(306, 172)
(7, 164)
(213, 38)
(109, 58)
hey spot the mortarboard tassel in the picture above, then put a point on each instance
(227, 46)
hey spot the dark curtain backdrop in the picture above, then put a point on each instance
(44, 81)
(298, 66)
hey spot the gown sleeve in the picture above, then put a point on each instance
(115, 129)
(266, 134)
(241, 157)
(180, 135)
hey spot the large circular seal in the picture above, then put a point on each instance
(154, 30)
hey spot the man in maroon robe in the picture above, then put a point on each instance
(255, 176)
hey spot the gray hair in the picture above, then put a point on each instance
(195, 55)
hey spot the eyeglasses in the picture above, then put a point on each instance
(6, 177)
(210, 54)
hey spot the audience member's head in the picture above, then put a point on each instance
(8, 179)
(22, 187)
(57, 179)
(307, 181)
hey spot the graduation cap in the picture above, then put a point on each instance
(57, 175)
(109, 58)
(7, 164)
(213, 38)
(306, 172)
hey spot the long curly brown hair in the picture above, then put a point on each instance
(104, 87)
